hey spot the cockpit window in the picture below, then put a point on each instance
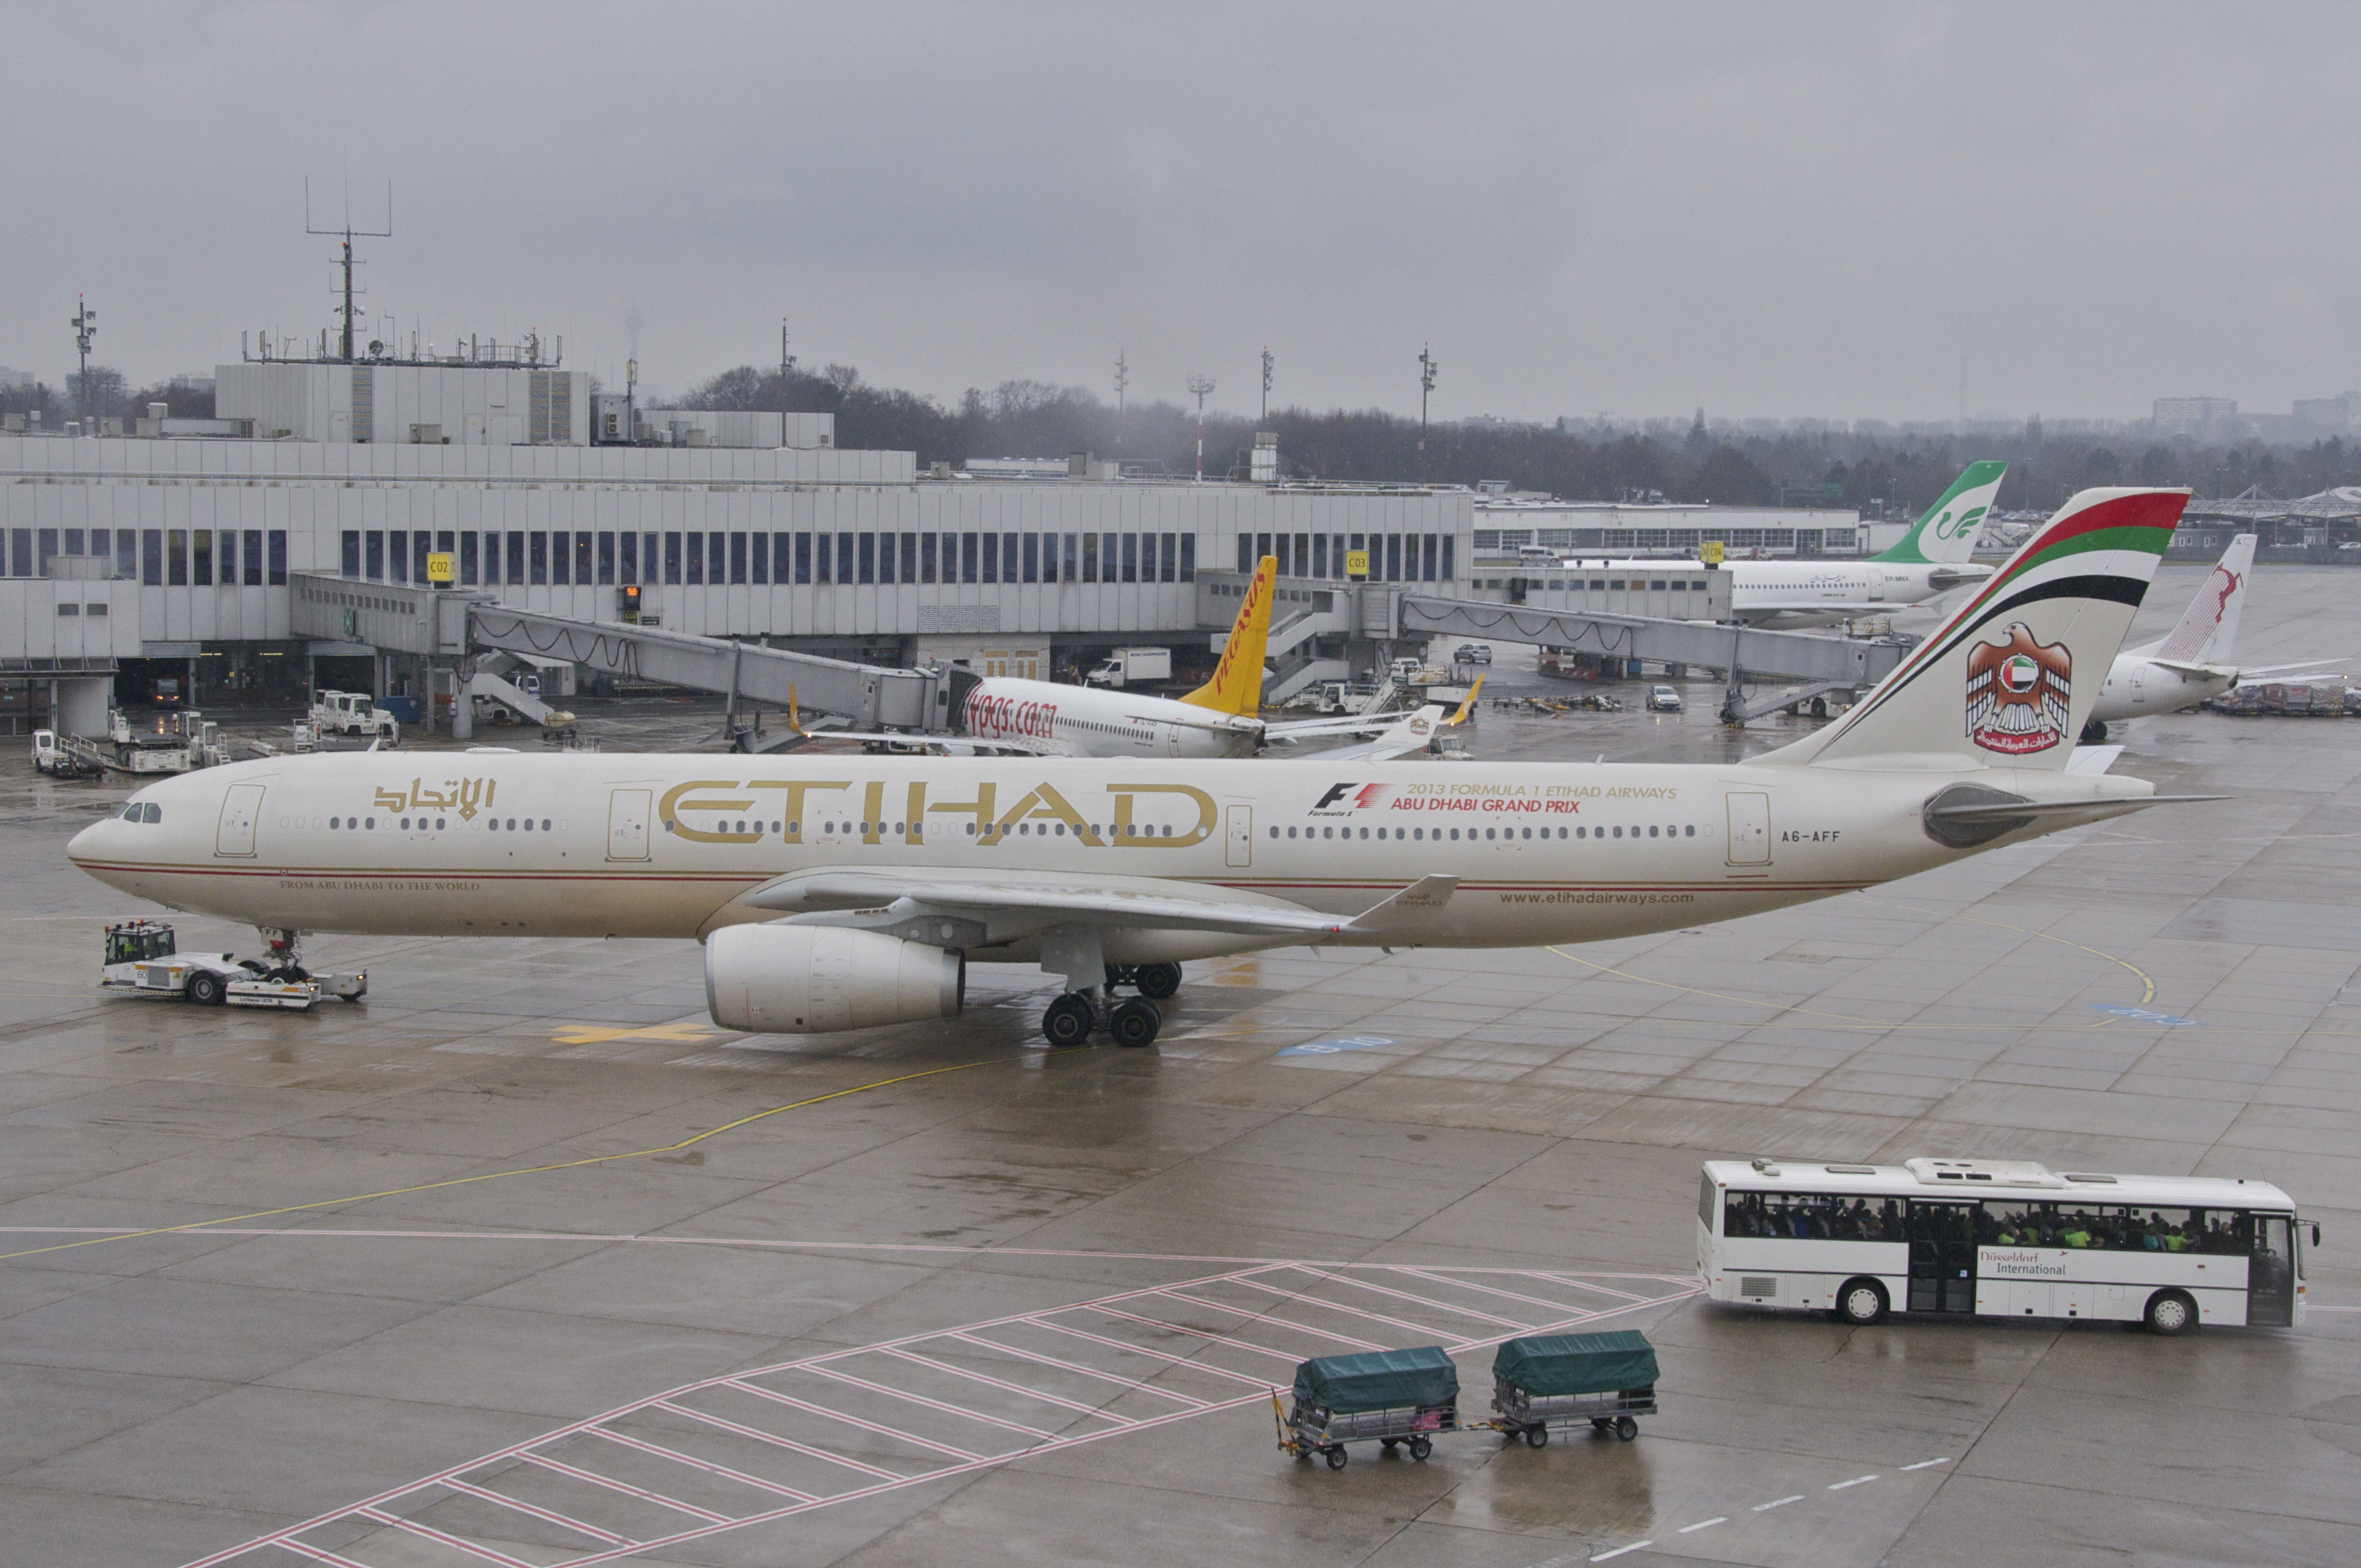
(131, 812)
(155, 812)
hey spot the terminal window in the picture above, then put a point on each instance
(278, 540)
(1074, 558)
(1106, 557)
(1090, 558)
(967, 557)
(737, 557)
(1188, 557)
(352, 554)
(715, 543)
(516, 556)
(926, 558)
(606, 558)
(868, 559)
(992, 557)
(803, 558)
(1032, 558)
(843, 557)
(539, 567)
(694, 558)
(758, 558)
(826, 549)
(176, 557)
(1170, 570)
(468, 560)
(910, 556)
(375, 563)
(201, 564)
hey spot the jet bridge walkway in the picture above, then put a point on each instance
(1700, 645)
(870, 696)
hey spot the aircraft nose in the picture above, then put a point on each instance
(84, 844)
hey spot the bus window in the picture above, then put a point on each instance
(1812, 1216)
(2157, 1230)
(2226, 1232)
(1707, 1204)
(2010, 1222)
(2084, 1226)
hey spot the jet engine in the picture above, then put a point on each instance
(813, 980)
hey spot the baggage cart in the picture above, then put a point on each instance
(1553, 1381)
(1388, 1397)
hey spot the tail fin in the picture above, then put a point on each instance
(2209, 628)
(2009, 679)
(1947, 530)
(1236, 685)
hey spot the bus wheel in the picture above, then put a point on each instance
(1861, 1301)
(2170, 1312)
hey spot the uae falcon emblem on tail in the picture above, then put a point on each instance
(2019, 692)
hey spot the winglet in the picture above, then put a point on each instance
(1420, 904)
(1236, 685)
(1467, 707)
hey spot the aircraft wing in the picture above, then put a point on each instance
(2244, 671)
(1006, 905)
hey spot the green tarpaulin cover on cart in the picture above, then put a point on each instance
(1548, 1365)
(1378, 1380)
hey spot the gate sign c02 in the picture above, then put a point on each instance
(1331, 1047)
(2145, 1016)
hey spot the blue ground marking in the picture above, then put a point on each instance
(1329, 1048)
(2145, 1016)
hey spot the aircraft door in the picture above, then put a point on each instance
(241, 809)
(627, 824)
(1239, 842)
(1750, 827)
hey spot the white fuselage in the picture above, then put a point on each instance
(1092, 721)
(481, 843)
(2137, 686)
(1818, 593)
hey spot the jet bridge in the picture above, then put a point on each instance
(871, 696)
(1784, 655)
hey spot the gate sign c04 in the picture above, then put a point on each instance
(1331, 1047)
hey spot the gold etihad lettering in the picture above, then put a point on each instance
(1043, 803)
(464, 797)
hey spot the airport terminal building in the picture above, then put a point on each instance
(171, 564)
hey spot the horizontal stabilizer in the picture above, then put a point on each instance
(2092, 758)
(2010, 810)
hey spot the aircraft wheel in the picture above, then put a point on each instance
(2093, 733)
(206, 990)
(1156, 981)
(1819, 707)
(1136, 1022)
(1068, 1021)
(1121, 974)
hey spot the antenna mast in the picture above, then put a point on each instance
(349, 233)
(1201, 385)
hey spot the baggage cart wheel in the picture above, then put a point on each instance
(1337, 1457)
(1599, 1423)
(1388, 1444)
(1420, 1447)
(1537, 1437)
(1626, 1428)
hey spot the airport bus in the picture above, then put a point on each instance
(2000, 1238)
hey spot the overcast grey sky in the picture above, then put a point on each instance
(1764, 209)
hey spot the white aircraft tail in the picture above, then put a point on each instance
(2208, 628)
(2010, 678)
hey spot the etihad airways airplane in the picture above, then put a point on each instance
(1220, 718)
(1931, 559)
(840, 892)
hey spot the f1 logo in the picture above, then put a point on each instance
(1335, 792)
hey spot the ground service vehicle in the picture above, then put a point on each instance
(142, 956)
(1382, 1395)
(1473, 653)
(353, 713)
(1663, 699)
(1132, 667)
(52, 756)
(2002, 1238)
(1545, 1381)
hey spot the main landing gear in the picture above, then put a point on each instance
(1070, 1018)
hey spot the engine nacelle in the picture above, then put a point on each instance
(814, 980)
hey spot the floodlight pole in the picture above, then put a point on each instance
(1266, 366)
(1426, 368)
(1201, 385)
(1122, 380)
(85, 321)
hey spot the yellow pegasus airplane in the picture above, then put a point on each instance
(840, 892)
